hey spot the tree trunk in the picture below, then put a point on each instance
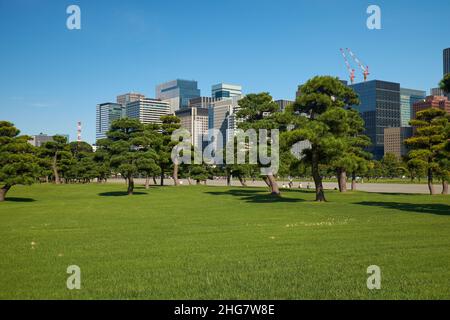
(3, 192)
(242, 181)
(444, 187)
(275, 191)
(175, 174)
(320, 195)
(342, 180)
(189, 180)
(430, 182)
(267, 181)
(130, 186)
(55, 169)
(147, 182)
(154, 181)
(198, 182)
(228, 179)
(353, 181)
(162, 179)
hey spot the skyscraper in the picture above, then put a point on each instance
(407, 98)
(201, 102)
(437, 92)
(446, 61)
(148, 110)
(222, 117)
(105, 115)
(380, 109)
(177, 93)
(195, 120)
(123, 99)
(224, 90)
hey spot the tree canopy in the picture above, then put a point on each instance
(323, 120)
(429, 145)
(18, 162)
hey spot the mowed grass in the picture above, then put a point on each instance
(199, 242)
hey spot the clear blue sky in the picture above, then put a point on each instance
(51, 77)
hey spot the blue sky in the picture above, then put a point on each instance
(51, 77)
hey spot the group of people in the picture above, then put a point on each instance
(290, 185)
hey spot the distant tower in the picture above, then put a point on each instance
(79, 132)
(446, 61)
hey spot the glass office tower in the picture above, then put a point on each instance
(380, 108)
(446, 61)
(178, 93)
(105, 115)
(225, 90)
(407, 99)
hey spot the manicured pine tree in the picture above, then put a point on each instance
(57, 151)
(165, 145)
(18, 161)
(259, 112)
(323, 99)
(123, 144)
(429, 145)
(353, 158)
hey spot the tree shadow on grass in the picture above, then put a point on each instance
(430, 208)
(119, 194)
(152, 186)
(255, 196)
(13, 199)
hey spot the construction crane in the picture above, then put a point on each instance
(349, 68)
(364, 69)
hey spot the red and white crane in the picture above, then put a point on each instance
(365, 69)
(349, 68)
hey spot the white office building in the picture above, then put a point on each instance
(195, 120)
(148, 110)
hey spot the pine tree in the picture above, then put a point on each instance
(18, 162)
(429, 145)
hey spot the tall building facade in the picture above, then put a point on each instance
(148, 110)
(439, 102)
(106, 113)
(394, 140)
(201, 102)
(437, 92)
(195, 120)
(222, 117)
(407, 99)
(225, 90)
(177, 93)
(380, 109)
(446, 61)
(126, 98)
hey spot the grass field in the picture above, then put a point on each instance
(221, 243)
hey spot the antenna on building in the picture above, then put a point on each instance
(79, 132)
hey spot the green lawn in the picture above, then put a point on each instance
(197, 242)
